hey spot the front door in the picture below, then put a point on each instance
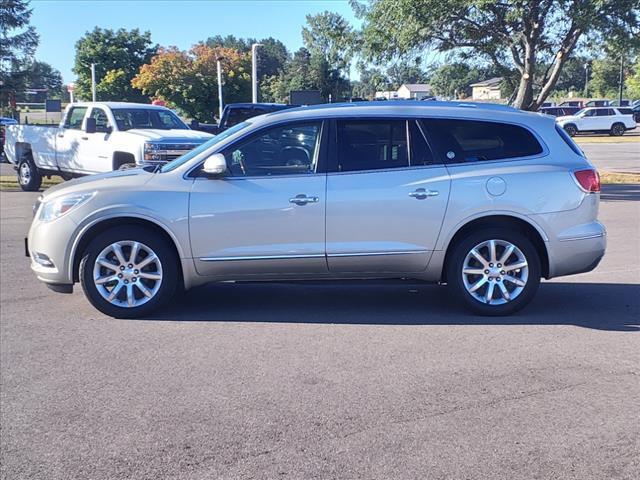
(94, 148)
(266, 216)
(386, 197)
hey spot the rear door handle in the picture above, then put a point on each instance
(84, 138)
(421, 193)
(61, 135)
(302, 199)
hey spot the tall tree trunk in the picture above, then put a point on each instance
(524, 98)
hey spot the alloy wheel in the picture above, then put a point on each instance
(495, 272)
(24, 173)
(127, 273)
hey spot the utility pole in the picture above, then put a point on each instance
(586, 79)
(93, 82)
(220, 103)
(621, 80)
(254, 72)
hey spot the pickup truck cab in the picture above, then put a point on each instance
(96, 138)
(598, 119)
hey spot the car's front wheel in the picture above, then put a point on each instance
(494, 271)
(128, 272)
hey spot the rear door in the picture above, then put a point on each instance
(68, 141)
(386, 197)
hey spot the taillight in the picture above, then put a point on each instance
(589, 180)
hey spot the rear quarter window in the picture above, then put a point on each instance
(568, 140)
(464, 141)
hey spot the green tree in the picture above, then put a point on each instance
(452, 80)
(633, 82)
(40, 75)
(18, 41)
(536, 37)
(118, 56)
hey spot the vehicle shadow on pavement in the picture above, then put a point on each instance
(599, 306)
(620, 192)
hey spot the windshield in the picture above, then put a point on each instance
(198, 150)
(580, 113)
(147, 118)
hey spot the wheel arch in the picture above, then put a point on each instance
(89, 232)
(120, 158)
(531, 231)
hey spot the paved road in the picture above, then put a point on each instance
(324, 381)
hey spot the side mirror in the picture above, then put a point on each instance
(215, 165)
(90, 125)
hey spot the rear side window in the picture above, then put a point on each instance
(371, 145)
(604, 112)
(625, 111)
(463, 141)
(240, 114)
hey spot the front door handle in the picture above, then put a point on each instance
(302, 199)
(421, 193)
(84, 138)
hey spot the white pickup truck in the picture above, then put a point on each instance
(98, 137)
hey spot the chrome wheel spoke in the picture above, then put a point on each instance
(492, 251)
(514, 280)
(488, 296)
(117, 249)
(130, 298)
(515, 266)
(107, 264)
(134, 252)
(115, 291)
(506, 254)
(103, 280)
(146, 261)
(150, 275)
(505, 293)
(478, 284)
(478, 257)
(140, 286)
(473, 271)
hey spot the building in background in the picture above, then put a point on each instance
(413, 91)
(487, 89)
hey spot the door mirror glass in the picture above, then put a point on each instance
(90, 125)
(215, 165)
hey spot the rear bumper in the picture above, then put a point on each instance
(578, 254)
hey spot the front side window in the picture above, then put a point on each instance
(102, 122)
(371, 145)
(462, 141)
(283, 150)
(75, 117)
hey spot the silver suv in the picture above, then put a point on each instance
(484, 198)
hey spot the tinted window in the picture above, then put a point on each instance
(147, 118)
(604, 112)
(102, 123)
(283, 150)
(75, 117)
(371, 144)
(625, 111)
(420, 152)
(237, 115)
(474, 141)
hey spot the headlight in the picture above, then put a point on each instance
(154, 152)
(62, 205)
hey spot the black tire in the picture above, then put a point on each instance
(29, 177)
(457, 257)
(148, 237)
(571, 129)
(617, 130)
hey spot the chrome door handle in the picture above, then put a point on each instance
(421, 193)
(84, 138)
(302, 199)
(61, 135)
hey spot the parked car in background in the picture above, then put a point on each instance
(623, 103)
(559, 111)
(98, 137)
(614, 121)
(235, 113)
(598, 103)
(547, 104)
(4, 122)
(433, 191)
(636, 112)
(572, 103)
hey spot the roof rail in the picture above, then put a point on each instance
(414, 103)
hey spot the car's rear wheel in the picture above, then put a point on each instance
(29, 177)
(617, 129)
(128, 272)
(494, 271)
(571, 129)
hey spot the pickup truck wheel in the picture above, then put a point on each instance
(128, 272)
(617, 129)
(127, 166)
(29, 177)
(571, 129)
(494, 271)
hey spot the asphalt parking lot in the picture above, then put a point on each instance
(385, 381)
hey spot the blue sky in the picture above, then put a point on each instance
(181, 23)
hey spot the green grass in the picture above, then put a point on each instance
(9, 183)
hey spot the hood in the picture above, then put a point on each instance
(171, 136)
(119, 179)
